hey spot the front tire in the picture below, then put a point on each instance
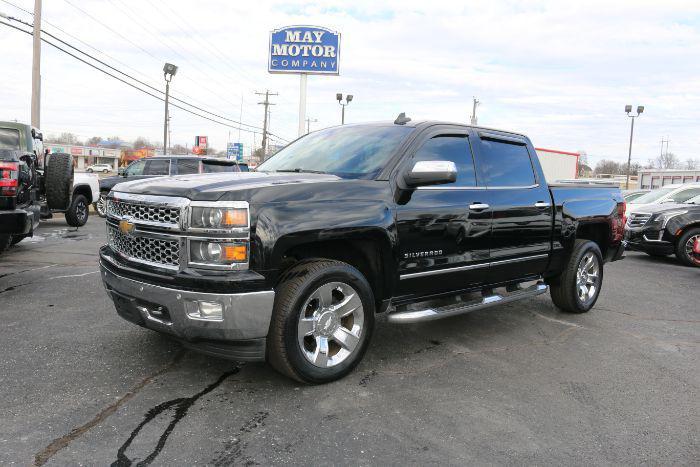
(101, 205)
(684, 248)
(77, 214)
(577, 288)
(322, 321)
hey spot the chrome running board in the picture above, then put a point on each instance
(429, 314)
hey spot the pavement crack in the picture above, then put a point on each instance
(182, 406)
(234, 448)
(59, 443)
(26, 270)
(13, 287)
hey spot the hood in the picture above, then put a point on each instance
(663, 207)
(211, 187)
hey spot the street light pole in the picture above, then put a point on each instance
(628, 110)
(348, 99)
(169, 71)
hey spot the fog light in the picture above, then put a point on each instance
(200, 309)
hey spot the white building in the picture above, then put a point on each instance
(558, 165)
(85, 156)
(656, 178)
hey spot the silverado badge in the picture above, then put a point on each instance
(126, 227)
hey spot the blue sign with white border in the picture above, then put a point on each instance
(304, 49)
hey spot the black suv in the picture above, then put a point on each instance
(665, 229)
(162, 166)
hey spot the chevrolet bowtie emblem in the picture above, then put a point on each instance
(126, 226)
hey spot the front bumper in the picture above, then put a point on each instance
(649, 240)
(240, 335)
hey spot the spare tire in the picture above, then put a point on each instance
(58, 180)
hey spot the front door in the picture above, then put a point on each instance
(443, 230)
(521, 205)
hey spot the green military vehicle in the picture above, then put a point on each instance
(32, 183)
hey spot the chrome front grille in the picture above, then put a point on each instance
(152, 250)
(153, 214)
(638, 220)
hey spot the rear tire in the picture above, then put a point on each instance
(5, 242)
(77, 214)
(577, 288)
(59, 181)
(322, 321)
(684, 247)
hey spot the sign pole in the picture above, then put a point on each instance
(302, 103)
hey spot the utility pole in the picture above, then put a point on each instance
(474, 104)
(240, 120)
(308, 124)
(266, 103)
(662, 145)
(36, 67)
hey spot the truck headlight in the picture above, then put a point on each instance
(664, 217)
(219, 216)
(218, 252)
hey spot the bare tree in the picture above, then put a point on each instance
(141, 142)
(64, 138)
(606, 166)
(668, 161)
(692, 164)
(178, 149)
(94, 141)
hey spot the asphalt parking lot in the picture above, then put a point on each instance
(518, 384)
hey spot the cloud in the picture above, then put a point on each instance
(559, 71)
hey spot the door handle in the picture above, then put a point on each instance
(478, 206)
(541, 204)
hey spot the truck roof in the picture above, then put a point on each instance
(429, 123)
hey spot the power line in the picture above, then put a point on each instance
(128, 83)
(137, 80)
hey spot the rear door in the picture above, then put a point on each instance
(443, 243)
(521, 204)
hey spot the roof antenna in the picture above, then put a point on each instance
(402, 119)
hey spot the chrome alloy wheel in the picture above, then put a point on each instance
(689, 247)
(101, 205)
(587, 277)
(81, 211)
(330, 324)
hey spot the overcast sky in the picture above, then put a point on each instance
(559, 71)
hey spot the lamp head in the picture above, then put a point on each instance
(628, 108)
(339, 96)
(640, 109)
(169, 69)
(349, 98)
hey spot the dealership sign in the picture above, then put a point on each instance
(304, 49)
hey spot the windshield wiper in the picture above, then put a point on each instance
(299, 170)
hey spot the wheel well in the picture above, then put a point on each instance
(83, 190)
(364, 254)
(693, 225)
(598, 233)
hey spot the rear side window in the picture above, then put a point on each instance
(187, 166)
(9, 139)
(209, 167)
(453, 148)
(157, 167)
(685, 195)
(505, 164)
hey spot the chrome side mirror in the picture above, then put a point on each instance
(426, 173)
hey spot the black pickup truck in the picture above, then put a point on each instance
(290, 263)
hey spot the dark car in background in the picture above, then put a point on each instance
(164, 166)
(666, 229)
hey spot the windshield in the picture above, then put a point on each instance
(695, 200)
(653, 196)
(353, 151)
(9, 139)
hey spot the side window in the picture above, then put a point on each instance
(187, 166)
(505, 164)
(157, 167)
(450, 148)
(136, 168)
(685, 195)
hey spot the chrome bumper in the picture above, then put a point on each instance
(246, 316)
